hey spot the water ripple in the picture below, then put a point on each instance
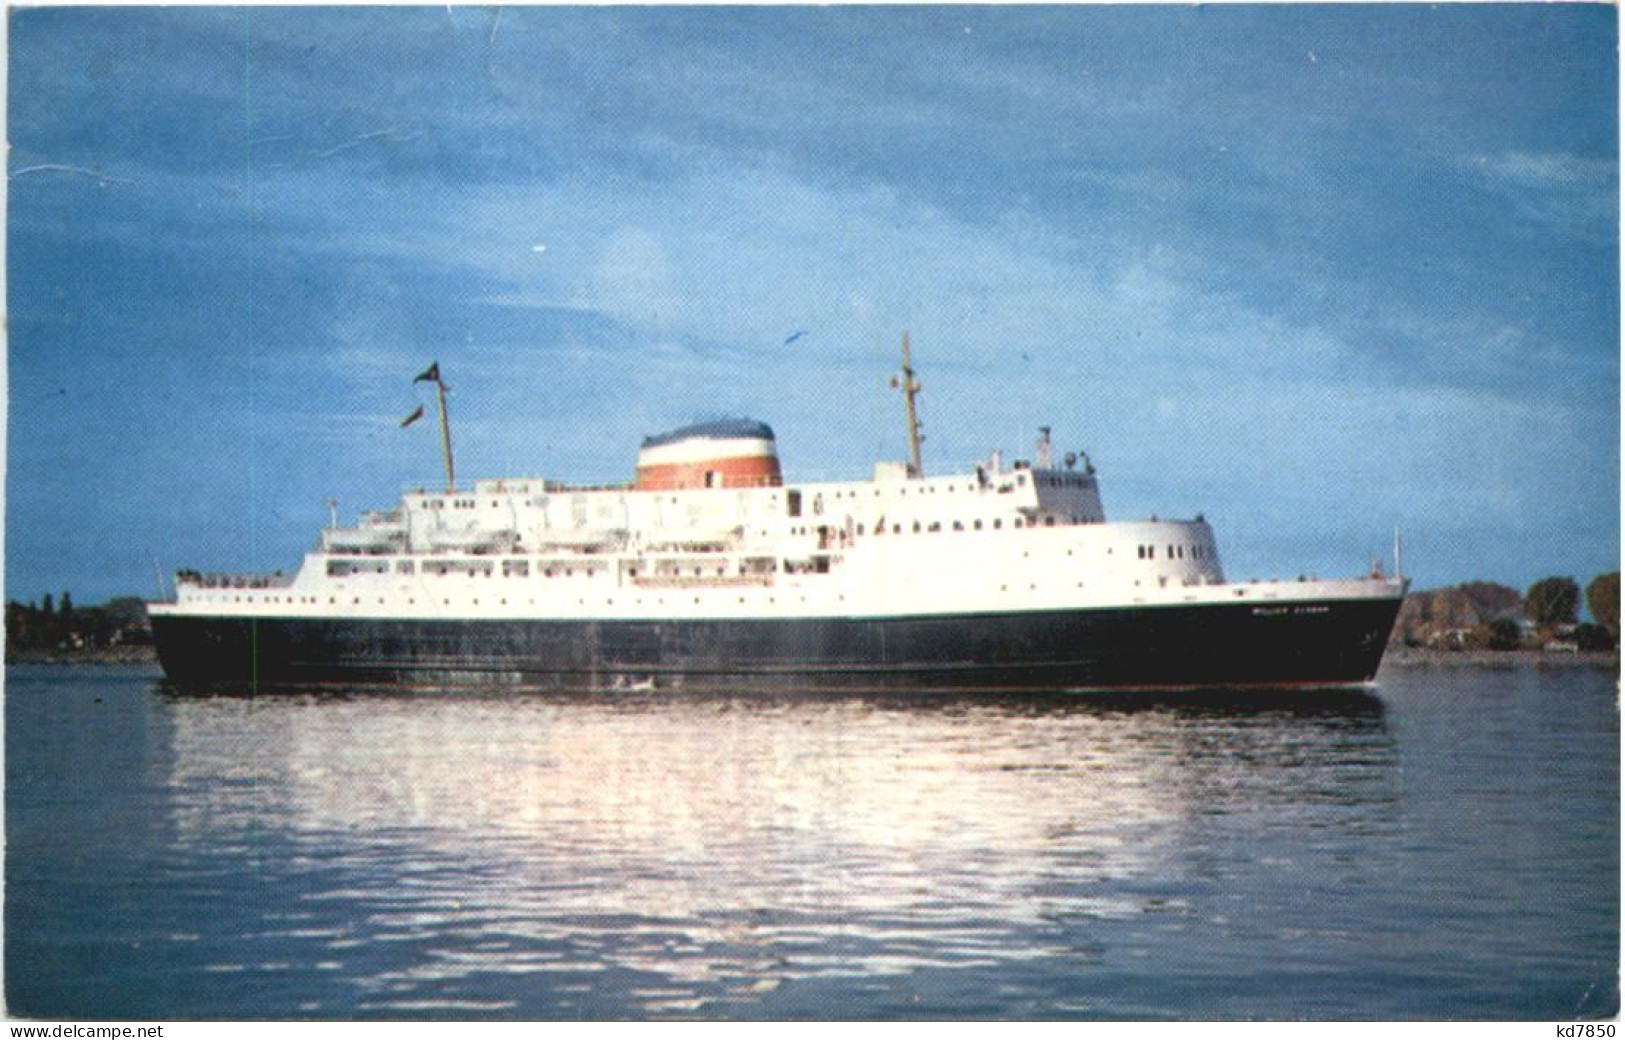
(536, 857)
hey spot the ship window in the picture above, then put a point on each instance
(997, 524)
(404, 567)
(896, 528)
(860, 528)
(916, 527)
(1049, 521)
(1018, 523)
(792, 500)
(935, 526)
(958, 526)
(976, 524)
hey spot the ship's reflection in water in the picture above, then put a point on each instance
(639, 855)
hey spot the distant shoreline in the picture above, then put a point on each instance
(1424, 657)
(101, 655)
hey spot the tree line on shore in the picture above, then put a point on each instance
(1486, 616)
(58, 624)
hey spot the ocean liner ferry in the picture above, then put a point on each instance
(710, 569)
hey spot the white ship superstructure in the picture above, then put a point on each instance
(710, 536)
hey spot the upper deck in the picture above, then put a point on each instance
(896, 542)
(535, 515)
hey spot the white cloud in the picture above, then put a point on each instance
(744, 257)
(1549, 170)
(1572, 194)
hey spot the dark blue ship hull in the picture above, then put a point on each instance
(1310, 643)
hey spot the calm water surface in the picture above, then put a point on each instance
(1446, 848)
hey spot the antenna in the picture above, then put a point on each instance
(910, 387)
(1399, 570)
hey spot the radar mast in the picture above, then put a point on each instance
(910, 387)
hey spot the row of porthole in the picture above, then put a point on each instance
(541, 502)
(356, 601)
(935, 526)
(568, 573)
(609, 602)
(1175, 552)
(926, 490)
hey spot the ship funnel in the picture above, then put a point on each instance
(731, 453)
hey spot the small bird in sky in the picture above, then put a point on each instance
(794, 336)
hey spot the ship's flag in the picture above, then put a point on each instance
(431, 374)
(417, 413)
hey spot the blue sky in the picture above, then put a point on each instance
(1314, 271)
